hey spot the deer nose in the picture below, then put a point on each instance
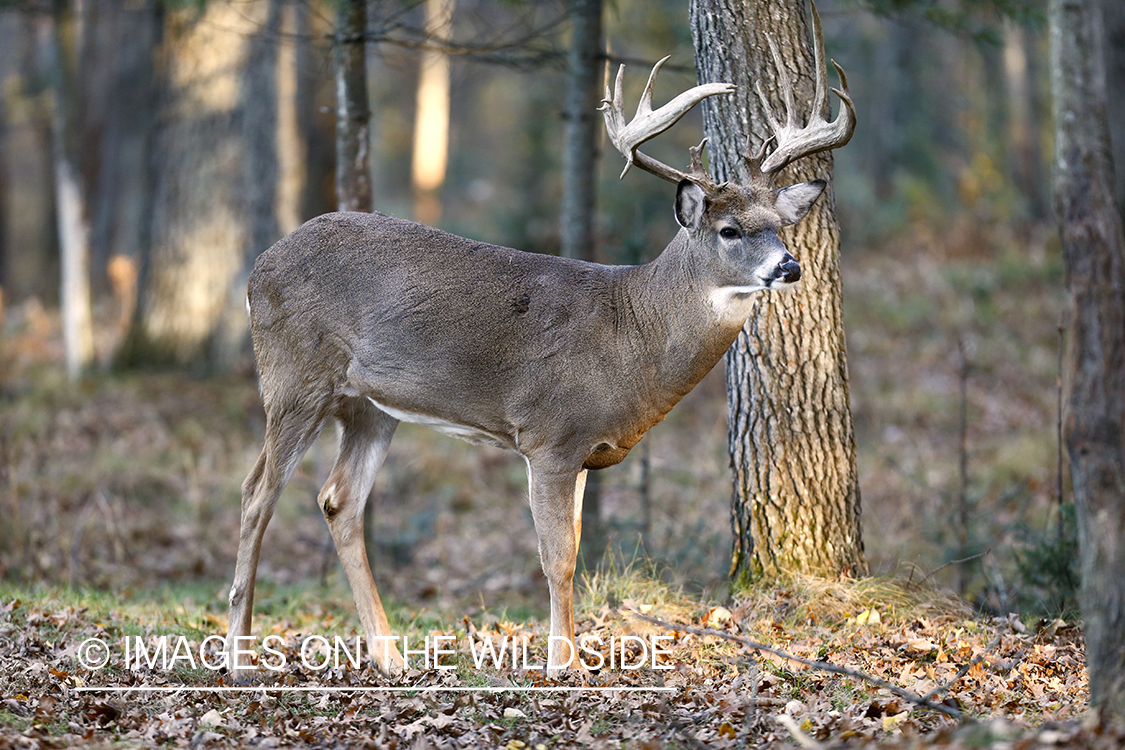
(788, 270)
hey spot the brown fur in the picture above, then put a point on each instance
(365, 319)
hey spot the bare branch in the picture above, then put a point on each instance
(821, 665)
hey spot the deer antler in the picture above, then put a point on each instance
(649, 123)
(794, 141)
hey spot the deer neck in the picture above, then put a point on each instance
(682, 330)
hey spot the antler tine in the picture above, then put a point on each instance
(793, 141)
(820, 96)
(696, 170)
(754, 161)
(785, 84)
(648, 123)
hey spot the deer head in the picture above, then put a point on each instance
(743, 218)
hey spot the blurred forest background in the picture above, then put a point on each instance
(175, 141)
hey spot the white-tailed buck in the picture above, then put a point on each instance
(370, 320)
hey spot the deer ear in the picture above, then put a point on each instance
(795, 201)
(691, 202)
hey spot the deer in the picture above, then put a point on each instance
(370, 320)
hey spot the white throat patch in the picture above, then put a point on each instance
(727, 301)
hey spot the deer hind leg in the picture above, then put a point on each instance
(289, 432)
(365, 434)
(556, 507)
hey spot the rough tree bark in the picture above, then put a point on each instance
(796, 492)
(1094, 250)
(1115, 96)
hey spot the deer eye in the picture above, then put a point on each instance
(729, 233)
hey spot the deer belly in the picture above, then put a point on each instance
(465, 432)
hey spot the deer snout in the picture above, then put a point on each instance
(788, 271)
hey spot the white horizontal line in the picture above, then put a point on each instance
(337, 689)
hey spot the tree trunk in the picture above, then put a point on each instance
(70, 195)
(121, 221)
(353, 170)
(200, 215)
(431, 117)
(1094, 250)
(3, 212)
(261, 174)
(579, 196)
(1115, 96)
(292, 157)
(1024, 125)
(792, 445)
(580, 135)
(353, 155)
(316, 131)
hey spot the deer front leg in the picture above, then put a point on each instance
(288, 435)
(556, 507)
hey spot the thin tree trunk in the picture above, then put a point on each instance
(260, 167)
(796, 492)
(580, 135)
(70, 196)
(1024, 154)
(122, 214)
(353, 171)
(1094, 250)
(318, 143)
(431, 117)
(3, 211)
(291, 152)
(579, 198)
(353, 166)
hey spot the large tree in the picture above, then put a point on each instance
(214, 175)
(792, 444)
(1094, 250)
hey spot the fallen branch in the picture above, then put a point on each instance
(964, 670)
(943, 566)
(821, 665)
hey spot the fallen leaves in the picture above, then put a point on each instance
(723, 694)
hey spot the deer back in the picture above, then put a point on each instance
(514, 346)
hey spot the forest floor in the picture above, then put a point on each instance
(910, 668)
(119, 500)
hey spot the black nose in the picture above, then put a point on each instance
(788, 270)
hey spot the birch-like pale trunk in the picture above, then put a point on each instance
(70, 198)
(431, 116)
